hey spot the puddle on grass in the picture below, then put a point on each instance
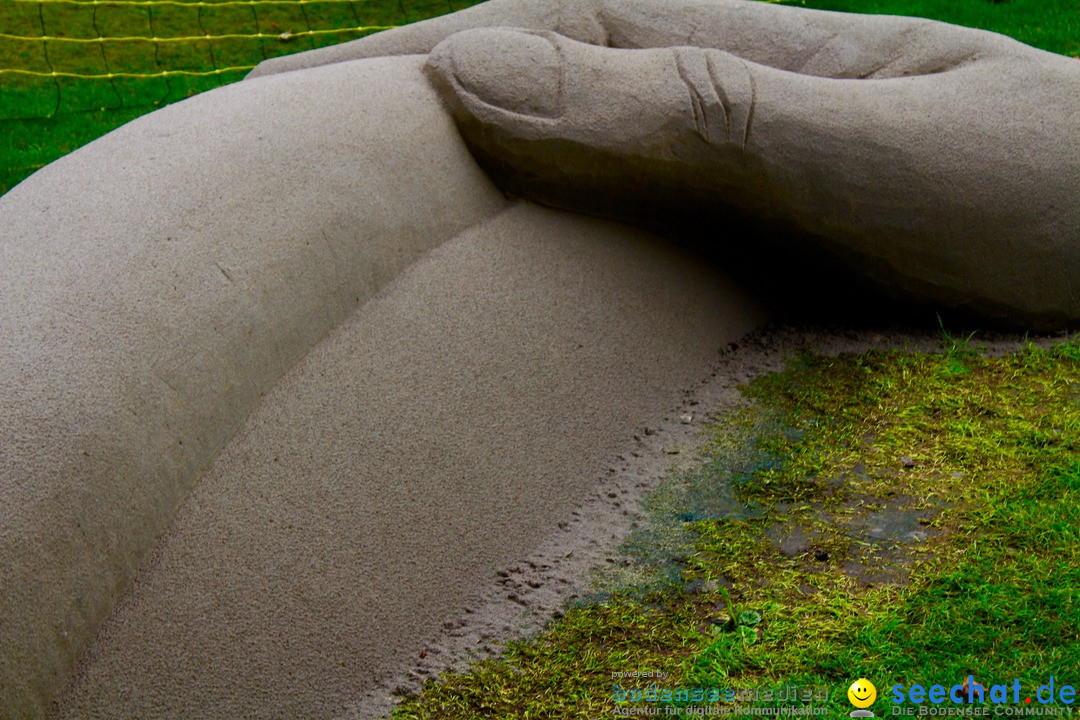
(825, 524)
(870, 539)
(654, 554)
(892, 527)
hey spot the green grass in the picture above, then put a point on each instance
(44, 117)
(978, 453)
(1052, 25)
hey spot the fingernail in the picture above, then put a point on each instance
(512, 70)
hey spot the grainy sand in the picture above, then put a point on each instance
(154, 283)
(442, 433)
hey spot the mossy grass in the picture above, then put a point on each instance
(907, 517)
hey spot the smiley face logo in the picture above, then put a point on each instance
(862, 693)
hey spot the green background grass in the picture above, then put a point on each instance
(1052, 25)
(44, 117)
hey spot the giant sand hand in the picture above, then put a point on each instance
(293, 323)
(156, 283)
(219, 291)
(940, 162)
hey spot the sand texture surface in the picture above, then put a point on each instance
(441, 432)
(155, 282)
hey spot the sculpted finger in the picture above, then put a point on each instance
(915, 182)
(811, 42)
(550, 118)
(802, 40)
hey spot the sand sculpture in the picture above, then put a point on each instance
(949, 172)
(285, 375)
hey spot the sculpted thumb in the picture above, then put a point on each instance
(913, 185)
(630, 134)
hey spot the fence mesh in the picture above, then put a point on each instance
(71, 70)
